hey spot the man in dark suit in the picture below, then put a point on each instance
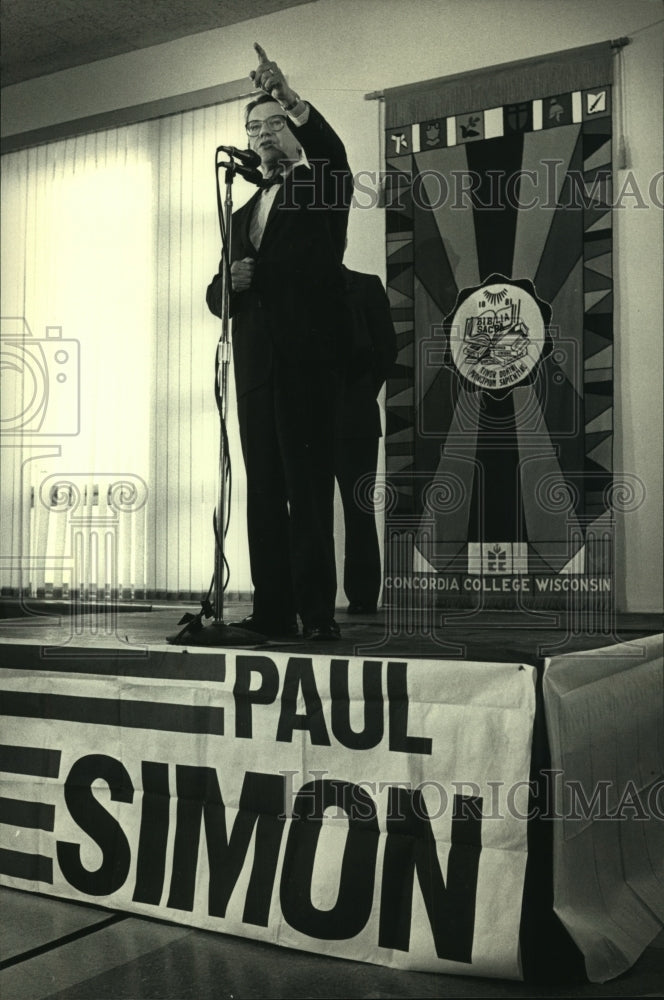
(372, 354)
(289, 325)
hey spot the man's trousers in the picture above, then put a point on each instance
(287, 434)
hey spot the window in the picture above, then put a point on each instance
(110, 433)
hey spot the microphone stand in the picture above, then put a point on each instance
(218, 633)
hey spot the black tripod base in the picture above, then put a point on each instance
(215, 634)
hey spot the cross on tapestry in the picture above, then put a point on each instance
(499, 428)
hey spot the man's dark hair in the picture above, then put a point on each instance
(263, 99)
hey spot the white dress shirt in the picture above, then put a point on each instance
(299, 115)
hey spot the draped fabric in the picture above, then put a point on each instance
(495, 86)
(499, 267)
(110, 433)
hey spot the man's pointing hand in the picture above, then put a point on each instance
(269, 78)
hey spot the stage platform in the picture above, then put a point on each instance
(503, 636)
(104, 695)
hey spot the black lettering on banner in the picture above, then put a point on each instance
(199, 799)
(31, 867)
(372, 691)
(27, 815)
(411, 847)
(262, 804)
(397, 692)
(245, 697)
(151, 856)
(100, 826)
(177, 718)
(354, 901)
(300, 676)
(30, 760)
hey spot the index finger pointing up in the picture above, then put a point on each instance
(262, 54)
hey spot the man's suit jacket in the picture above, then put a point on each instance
(295, 307)
(372, 355)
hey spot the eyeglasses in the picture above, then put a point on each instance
(275, 123)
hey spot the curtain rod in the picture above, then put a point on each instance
(379, 95)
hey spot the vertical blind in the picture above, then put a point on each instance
(108, 417)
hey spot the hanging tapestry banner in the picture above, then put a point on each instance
(500, 412)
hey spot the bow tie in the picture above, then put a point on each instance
(269, 182)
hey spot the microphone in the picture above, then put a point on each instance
(246, 156)
(249, 173)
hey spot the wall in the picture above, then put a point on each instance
(337, 51)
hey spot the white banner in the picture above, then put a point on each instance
(372, 810)
(605, 717)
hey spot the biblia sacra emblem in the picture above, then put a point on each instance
(498, 334)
